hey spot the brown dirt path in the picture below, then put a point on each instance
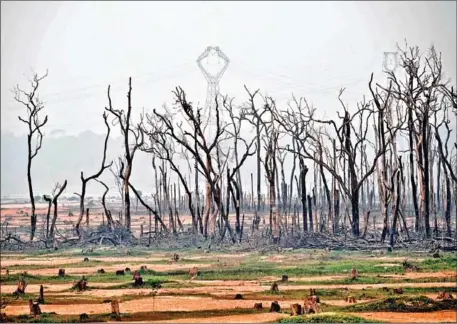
(248, 318)
(160, 303)
(394, 317)
(56, 288)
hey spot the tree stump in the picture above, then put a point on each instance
(84, 317)
(445, 295)
(81, 285)
(3, 318)
(398, 291)
(115, 307)
(41, 298)
(34, 308)
(354, 274)
(21, 285)
(138, 280)
(311, 305)
(258, 306)
(296, 310)
(409, 267)
(275, 307)
(350, 299)
(274, 288)
(61, 273)
(194, 272)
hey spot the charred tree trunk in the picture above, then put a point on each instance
(399, 175)
(54, 202)
(412, 168)
(425, 173)
(127, 130)
(34, 125)
(309, 202)
(110, 223)
(49, 201)
(302, 176)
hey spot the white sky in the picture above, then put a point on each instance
(309, 48)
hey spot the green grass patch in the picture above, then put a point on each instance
(327, 318)
(332, 294)
(36, 279)
(446, 262)
(90, 263)
(404, 304)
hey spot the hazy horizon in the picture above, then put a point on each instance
(311, 49)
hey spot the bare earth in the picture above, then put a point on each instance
(394, 317)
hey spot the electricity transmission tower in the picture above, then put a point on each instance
(212, 86)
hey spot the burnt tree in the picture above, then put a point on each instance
(34, 106)
(84, 181)
(59, 189)
(127, 131)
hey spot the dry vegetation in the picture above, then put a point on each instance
(231, 253)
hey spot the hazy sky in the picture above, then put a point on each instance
(309, 48)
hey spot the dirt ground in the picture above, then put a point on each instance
(202, 295)
(395, 317)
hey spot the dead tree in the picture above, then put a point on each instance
(49, 201)
(117, 180)
(139, 197)
(443, 150)
(349, 141)
(34, 106)
(110, 223)
(235, 186)
(196, 135)
(254, 116)
(54, 202)
(127, 130)
(84, 181)
(420, 94)
(236, 122)
(386, 134)
(165, 150)
(398, 173)
(270, 140)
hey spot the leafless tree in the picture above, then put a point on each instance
(110, 223)
(421, 94)
(349, 141)
(59, 188)
(124, 121)
(30, 99)
(254, 115)
(95, 176)
(235, 187)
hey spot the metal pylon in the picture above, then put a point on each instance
(209, 116)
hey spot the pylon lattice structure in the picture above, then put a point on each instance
(209, 115)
